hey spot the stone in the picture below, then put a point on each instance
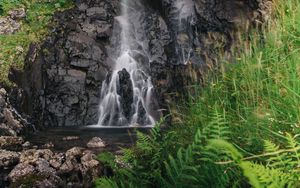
(126, 92)
(17, 13)
(6, 130)
(8, 158)
(77, 58)
(33, 155)
(43, 166)
(97, 12)
(3, 92)
(90, 166)
(82, 63)
(11, 121)
(20, 171)
(26, 145)
(11, 142)
(75, 152)
(57, 160)
(2, 102)
(69, 166)
(96, 142)
(8, 26)
(38, 174)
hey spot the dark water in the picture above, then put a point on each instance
(115, 138)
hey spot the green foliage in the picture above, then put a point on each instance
(154, 163)
(280, 169)
(108, 159)
(34, 28)
(245, 109)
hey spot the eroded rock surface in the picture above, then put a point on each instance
(182, 38)
(11, 122)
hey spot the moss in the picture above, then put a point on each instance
(28, 181)
(34, 27)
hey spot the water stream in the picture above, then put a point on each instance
(127, 93)
(185, 10)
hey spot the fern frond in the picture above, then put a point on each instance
(293, 144)
(217, 128)
(261, 176)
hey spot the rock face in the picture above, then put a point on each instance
(12, 123)
(62, 78)
(125, 90)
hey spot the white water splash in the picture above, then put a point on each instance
(111, 112)
(185, 10)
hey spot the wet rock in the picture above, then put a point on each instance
(11, 123)
(96, 142)
(33, 155)
(26, 145)
(97, 13)
(11, 142)
(8, 158)
(69, 166)
(14, 124)
(2, 98)
(21, 170)
(126, 92)
(38, 174)
(57, 160)
(175, 48)
(90, 168)
(43, 166)
(75, 152)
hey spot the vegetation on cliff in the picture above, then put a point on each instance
(241, 130)
(33, 27)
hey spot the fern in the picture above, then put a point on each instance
(193, 166)
(217, 127)
(280, 170)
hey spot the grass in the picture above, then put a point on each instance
(35, 26)
(257, 97)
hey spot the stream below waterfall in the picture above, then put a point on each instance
(62, 139)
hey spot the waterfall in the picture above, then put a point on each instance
(126, 95)
(185, 10)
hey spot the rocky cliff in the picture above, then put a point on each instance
(62, 77)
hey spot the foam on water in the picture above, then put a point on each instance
(111, 112)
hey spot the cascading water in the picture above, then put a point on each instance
(126, 96)
(185, 11)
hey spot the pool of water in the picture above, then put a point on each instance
(62, 139)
